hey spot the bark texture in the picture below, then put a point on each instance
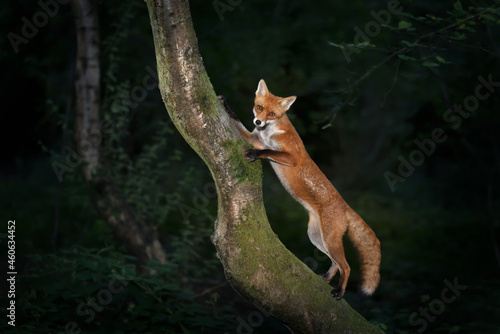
(139, 238)
(255, 262)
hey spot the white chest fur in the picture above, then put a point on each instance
(266, 136)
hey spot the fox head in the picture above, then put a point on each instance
(268, 108)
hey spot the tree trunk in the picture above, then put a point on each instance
(255, 262)
(139, 238)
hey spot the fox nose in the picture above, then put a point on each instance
(257, 122)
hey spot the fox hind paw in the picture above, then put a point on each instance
(337, 293)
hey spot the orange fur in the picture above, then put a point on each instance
(275, 139)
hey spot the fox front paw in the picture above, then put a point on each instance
(228, 110)
(251, 154)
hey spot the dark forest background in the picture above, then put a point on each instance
(398, 103)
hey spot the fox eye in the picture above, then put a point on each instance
(259, 108)
(271, 114)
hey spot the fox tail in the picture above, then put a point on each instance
(368, 247)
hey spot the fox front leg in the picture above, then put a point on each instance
(283, 158)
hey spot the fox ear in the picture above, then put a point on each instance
(287, 102)
(262, 89)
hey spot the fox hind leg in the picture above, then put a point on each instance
(336, 249)
(316, 237)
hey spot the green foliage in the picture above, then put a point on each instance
(436, 33)
(141, 155)
(154, 183)
(425, 37)
(102, 293)
(142, 177)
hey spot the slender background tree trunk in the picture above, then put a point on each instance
(139, 238)
(255, 262)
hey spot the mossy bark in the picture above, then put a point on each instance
(255, 262)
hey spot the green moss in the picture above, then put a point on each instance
(253, 234)
(206, 95)
(243, 170)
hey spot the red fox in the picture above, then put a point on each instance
(275, 139)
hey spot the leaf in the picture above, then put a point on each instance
(458, 6)
(430, 64)
(470, 29)
(458, 36)
(382, 326)
(409, 44)
(335, 44)
(405, 57)
(364, 44)
(442, 60)
(493, 10)
(489, 17)
(184, 329)
(404, 25)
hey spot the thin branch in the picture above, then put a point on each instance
(470, 46)
(371, 70)
(208, 290)
(458, 23)
(406, 49)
